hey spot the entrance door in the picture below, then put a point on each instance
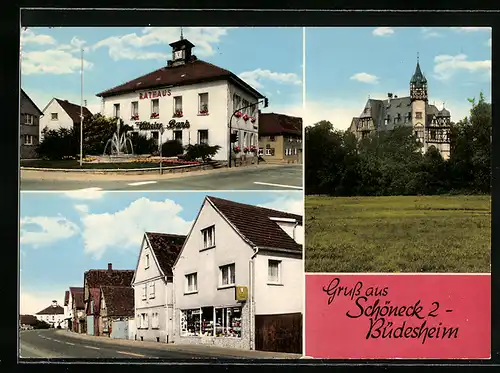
(203, 137)
(178, 136)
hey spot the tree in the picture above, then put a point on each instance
(58, 144)
(203, 151)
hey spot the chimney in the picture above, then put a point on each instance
(110, 267)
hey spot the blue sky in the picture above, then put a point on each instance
(345, 65)
(270, 59)
(64, 234)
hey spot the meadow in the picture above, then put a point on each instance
(398, 234)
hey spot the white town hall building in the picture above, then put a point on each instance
(192, 99)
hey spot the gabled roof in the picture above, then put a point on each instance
(66, 297)
(52, 310)
(255, 225)
(279, 124)
(95, 295)
(166, 248)
(73, 110)
(77, 295)
(103, 277)
(192, 72)
(119, 300)
(32, 102)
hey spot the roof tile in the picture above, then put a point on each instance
(279, 124)
(119, 300)
(166, 248)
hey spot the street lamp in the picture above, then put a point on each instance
(161, 148)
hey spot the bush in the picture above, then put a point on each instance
(41, 325)
(143, 145)
(203, 151)
(172, 148)
(58, 144)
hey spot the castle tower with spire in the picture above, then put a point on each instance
(419, 99)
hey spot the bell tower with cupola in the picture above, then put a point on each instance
(181, 51)
(418, 97)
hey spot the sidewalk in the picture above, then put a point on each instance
(196, 349)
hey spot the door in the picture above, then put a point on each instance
(90, 325)
(178, 136)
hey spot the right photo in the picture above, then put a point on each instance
(397, 191)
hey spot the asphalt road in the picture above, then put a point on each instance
(50, 344)
(281, 177)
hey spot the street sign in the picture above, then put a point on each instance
(241, 293)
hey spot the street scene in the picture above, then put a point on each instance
(180, 100)
(161, 274)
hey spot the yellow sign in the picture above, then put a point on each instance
(241, 293)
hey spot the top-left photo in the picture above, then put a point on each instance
(161, 108)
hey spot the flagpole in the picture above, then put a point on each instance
(81, 115)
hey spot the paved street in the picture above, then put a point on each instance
(52, 343)
(267, 177)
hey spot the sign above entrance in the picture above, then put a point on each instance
(178, 125)
(147, 126)
(155, 94)
(241, 293)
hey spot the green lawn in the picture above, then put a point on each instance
(398, 234)
(72, 164)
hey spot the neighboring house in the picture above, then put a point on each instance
(29, 123)
(193, 99)
(117, 307)
(94, 279)
(77, 310)
(280, 138)
(61, 114)
(153, 286)
(53, 315)
(239, 275)
(430, 125)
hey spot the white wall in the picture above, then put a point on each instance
(64, 120)
(53, 319)
(293, 230)
(239, 124)
(287, 297)
(147, 276)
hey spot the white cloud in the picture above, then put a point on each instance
(29, 37)
(82, 208)
(293, 205)
(430, 32)
(471, 29)
(255, 77)
(43, 230)
(131, 46)
(383, 31)
(90, 193)
(446, 66)
(52, 61)
(365, 78)
(125, 228)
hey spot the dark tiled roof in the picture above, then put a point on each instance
(66, 297)
(95, 294)
(166, 248)
(27, 319)
(73, 110)
(192, 72)
(103, 277)
(52, 310)
(279, 124)
(254, 224)
(119, 300)
(77, 295)
(29, 98)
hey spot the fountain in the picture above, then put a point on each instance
(118, 144)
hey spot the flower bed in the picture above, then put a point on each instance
(173, 162)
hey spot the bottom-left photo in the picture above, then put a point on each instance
(161, 275)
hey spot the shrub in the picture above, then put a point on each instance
(58, 144)
(172, 148)
(203, 151)
(40, 324)
(143, 145)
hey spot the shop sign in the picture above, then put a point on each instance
(155, 94)
(241, 293)
(148, 126)
(178, 125)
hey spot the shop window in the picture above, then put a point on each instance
(274, 271)
(155, 108)
(53, 116)
(28, 139)
(152, 290)
(178, 107)
(116, 110)
(208, 237)
(227, 275)
(228, 322)
(203, 103)
(203, 137)
(190, 322)
(191, 283)
(28, 119)
(146, 264)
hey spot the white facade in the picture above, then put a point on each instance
(215, 300)
(54, 318)
(153, 299)
(211, 127)
(54, 117)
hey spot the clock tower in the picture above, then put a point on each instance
(418, 97)
(181, 51)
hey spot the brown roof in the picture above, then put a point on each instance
(95, 294)
(52, 310)
(166, 248)
(279, 124)
(255, 225)
(104, 277)
(77, 294)
(195, 71)
(66, 297)
(119, 300)
(73, 110)
(27, 319)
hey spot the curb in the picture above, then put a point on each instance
(114, 170)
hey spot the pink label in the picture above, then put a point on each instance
(407, 316)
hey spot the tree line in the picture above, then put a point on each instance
(391, 162)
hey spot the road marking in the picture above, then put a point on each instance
(69, 343)
(142, 183)
(278, 185)
(130, 353)
(95, 348)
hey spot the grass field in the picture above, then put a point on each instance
(74, 164)
(398, 234)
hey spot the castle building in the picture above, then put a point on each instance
(430, 125)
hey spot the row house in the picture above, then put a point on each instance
(192, 101)
(76, 310)
(116, 310)
(94, 280)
